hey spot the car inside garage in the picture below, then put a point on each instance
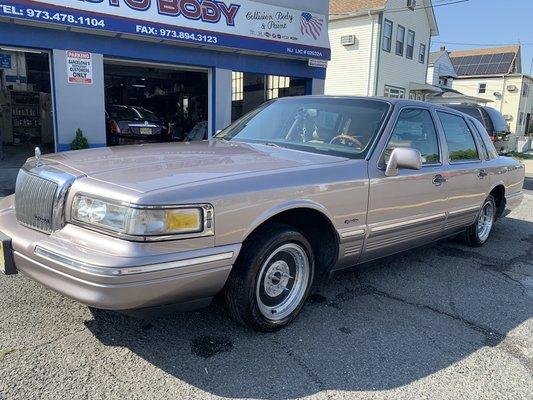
(151, 103)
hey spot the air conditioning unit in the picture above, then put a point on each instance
(411, 4)
(348, 40)
(512, 88)
(508, 117)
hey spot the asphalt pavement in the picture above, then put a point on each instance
(441, 322)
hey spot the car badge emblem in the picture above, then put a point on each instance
(38, 161)
(146, 123)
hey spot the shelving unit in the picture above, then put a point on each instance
(26, 116)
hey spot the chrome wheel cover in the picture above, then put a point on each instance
(485, 221)
(282, 281)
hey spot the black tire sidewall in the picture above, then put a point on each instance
(253, 258)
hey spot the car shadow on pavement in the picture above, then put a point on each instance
(377, 327)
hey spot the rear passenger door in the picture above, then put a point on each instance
(466, 176)
(409, 209)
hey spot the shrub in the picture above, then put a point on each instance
(80, 142)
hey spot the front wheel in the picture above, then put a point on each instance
(478, 233)
(271, 279)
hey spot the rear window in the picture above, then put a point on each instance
(500, 124)
(124, 113)
(472, 111)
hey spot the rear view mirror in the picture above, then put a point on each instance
(403, 158)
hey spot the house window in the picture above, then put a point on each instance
(411, 4)
(387, 35)
(410, 44)
(237, 86)
(422, 53)
(521, 118)
(394, 92)
(525, 91)
(482, 88)
(400, 40)
(277, 86)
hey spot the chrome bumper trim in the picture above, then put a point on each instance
(117, 271)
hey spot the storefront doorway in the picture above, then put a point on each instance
(250, 90)
(148, 103)
(26, 116)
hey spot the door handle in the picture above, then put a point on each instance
(482, 174)
(439, 180)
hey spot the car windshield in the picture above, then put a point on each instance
(344, 127)
(124, 113)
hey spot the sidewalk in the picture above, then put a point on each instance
(529, 167)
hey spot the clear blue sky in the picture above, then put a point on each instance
(486, 21)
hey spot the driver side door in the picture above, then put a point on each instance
(409, 209)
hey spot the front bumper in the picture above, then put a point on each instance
(138, 278)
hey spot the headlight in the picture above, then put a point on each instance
(142, 222)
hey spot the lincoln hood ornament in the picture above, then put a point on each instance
(38, 161)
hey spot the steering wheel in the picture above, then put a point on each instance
(346, 140)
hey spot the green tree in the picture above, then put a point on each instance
(80, 142)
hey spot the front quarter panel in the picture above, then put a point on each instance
(338, 190)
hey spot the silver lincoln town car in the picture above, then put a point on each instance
(293, 191)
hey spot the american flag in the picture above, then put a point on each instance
(310, 25)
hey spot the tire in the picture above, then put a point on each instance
(479, 232)
(271, 279)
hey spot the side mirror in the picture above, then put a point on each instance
(403, 158)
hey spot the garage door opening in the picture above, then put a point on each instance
(152, 103)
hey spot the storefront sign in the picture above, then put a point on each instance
(318, 63)
(5, 61)
(242, 24)
(79, 67)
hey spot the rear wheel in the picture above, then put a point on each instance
(271, 279)
(478, 233)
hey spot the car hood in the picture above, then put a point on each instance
(149, 167)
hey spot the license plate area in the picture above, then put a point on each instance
(7, 266)
(146, 131)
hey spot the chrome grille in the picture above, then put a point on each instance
(34, 201)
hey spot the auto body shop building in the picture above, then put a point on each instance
(171, 65)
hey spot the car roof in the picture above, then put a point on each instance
(392, 101)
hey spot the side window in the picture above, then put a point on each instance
(415, 129)
(485, 138)
(483, 148)
(461, 144)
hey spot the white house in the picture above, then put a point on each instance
(441, 71)
(380, 47)
(495, 75)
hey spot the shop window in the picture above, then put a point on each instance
(277, 86)
(249, 91)
(237, 86)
